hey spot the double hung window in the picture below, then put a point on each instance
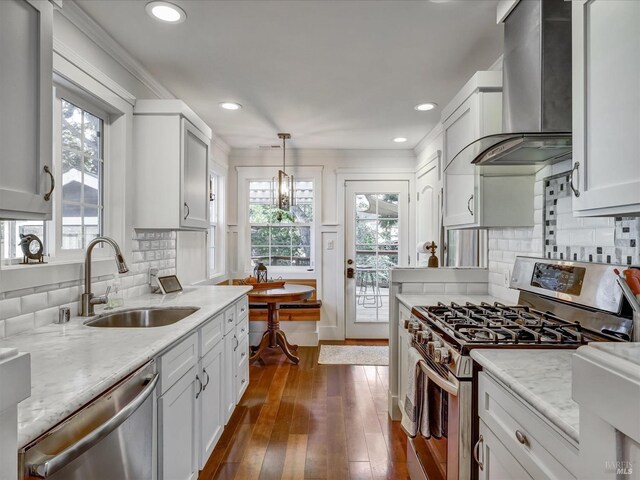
(281, 238)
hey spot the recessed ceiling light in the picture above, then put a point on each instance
(230, 105)
(423, 107)
(166, 12)
(400, 139)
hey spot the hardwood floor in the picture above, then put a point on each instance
(311, 421)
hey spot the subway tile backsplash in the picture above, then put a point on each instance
(558, 234)
(26, 309)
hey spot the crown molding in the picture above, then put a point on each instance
(428, 138)
(74, 58)
(87, 25)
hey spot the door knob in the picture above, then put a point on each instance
(350, 272)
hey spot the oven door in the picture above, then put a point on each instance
(447, 457)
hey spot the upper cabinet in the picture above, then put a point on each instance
(606, 107)
(26, 52)
(171, 157)
(473, 197)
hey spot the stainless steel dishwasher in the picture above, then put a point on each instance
(109, 439)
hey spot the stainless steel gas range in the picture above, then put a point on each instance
(561, 305)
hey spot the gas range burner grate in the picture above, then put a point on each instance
(499, 324)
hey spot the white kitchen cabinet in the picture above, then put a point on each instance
(606, 107)
(171, 152)
(177, 427)
(518, 440)
(210, 402)
(494, 460)
(429, 203)
(404, 342)
(26, 53)
(477, 197)
(230, 343)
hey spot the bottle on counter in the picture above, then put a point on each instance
(115, 297)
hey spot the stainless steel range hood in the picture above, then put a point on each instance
(536, 97)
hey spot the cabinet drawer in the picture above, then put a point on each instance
(242, 309)
(242, 328)
(242, 352)
(177, 361)
(242, 379)
(229, 319)
(211, 334)
(543, 451)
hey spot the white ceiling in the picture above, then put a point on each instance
(336, 74)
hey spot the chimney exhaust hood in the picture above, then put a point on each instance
(536, 95)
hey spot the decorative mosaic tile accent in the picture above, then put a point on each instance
(598, 239)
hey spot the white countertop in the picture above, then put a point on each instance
(629, 351)
(72, 363)
(542, 378)
(412, 300)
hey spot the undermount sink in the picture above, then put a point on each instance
(141, 317)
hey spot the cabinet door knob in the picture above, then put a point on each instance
(476, 451)
(522, 438)
(575, 191)
(47, 196)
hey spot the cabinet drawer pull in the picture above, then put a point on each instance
(243, 380)
(47, 196)
(237, 343)
(576, 192)
(188, 210)
(522, 438)
(476, 449)
(199, 386)
(469, 204)
(243, 354)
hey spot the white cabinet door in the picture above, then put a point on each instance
(176, 430)
(26, 46)
(494, 460)
(606, 107)
(210, 402)
(230, 366)
(429, 204)
(403, 359)
(460, 130)
(195, 177)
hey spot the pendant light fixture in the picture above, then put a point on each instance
(284, 187)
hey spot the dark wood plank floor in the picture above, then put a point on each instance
(311, 421)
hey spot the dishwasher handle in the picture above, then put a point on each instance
(69, 454)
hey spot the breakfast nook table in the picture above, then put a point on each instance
(274, 337)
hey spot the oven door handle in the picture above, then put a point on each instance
(446, 385)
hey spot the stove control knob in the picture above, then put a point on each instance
(433, 346)
(424, 336)
(406, 324)
(441, 355)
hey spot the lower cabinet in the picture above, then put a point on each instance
(176, 430)
(202, 379)
(494, 460)
(210, 402)
(515, 442)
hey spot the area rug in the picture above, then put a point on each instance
(353, 355)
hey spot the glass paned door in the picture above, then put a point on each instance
(376, 233)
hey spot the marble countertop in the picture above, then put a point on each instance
(629, 351)
(542, 378)
(72, 363)
(411, 300)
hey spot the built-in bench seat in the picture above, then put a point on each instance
(303, 311)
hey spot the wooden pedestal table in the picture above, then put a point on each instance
(274, 337)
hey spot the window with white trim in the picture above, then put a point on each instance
(79, 169)
(281, 238)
